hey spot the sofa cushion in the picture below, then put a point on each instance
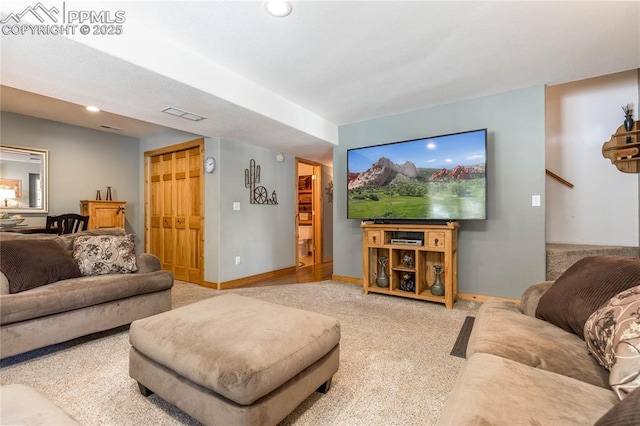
(501, 329)
(531, 297)
(4, 284)
(624, 413)
(612, 334)
(67, 240)
(584, 287)
(10, 236)
(105, 254)
(76, 293)
(23, 405)
(31, 263)
(491, 390)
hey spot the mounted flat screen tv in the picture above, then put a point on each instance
(434, 179)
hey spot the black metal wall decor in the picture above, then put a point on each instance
(257, 194)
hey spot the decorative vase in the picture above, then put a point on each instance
(383, 279)
(109, 193)
(628, 123)
(437, 288)
(98, 196)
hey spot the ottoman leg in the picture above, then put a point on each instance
(143, 390)
(324, 388)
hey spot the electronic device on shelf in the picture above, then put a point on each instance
(433, 179)
(407, 242)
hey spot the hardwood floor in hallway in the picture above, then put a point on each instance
(307, 274)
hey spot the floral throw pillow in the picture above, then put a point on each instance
(105, 254)
(612, 334)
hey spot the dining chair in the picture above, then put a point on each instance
(67, 223)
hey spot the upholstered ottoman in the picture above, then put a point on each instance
(234, 360)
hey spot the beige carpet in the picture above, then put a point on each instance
(395, 367)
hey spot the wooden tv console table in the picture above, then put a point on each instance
(411, 252)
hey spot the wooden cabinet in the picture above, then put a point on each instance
(623, 149)
(411, 254)
(104, 214)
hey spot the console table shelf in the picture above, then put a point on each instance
(413, 260)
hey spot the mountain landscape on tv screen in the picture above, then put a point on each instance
(387, 190)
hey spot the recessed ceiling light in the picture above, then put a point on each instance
(93, 108)
(278, 8)
(182, 114)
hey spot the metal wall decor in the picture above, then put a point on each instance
(329, 190)
(257, 194)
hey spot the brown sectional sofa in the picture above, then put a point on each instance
(75, 307)
(521, 369)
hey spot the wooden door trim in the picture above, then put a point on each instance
(317, 203)
(318, 223)
(177, 147)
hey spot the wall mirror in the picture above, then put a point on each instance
(24, 174)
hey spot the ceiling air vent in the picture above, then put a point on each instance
(104, 126)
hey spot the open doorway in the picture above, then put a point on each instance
(308, 213)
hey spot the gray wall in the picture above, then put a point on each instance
(81, 161)
(262, 235)
(212, 193)
(504, 254)
(327, 215)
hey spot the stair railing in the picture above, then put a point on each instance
(558, 178)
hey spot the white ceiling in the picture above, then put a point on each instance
(289, 83)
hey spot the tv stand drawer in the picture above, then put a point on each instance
(374, 238)
(435, 240)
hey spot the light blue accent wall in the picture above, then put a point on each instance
(502, 255)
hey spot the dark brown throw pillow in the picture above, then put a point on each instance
(584, 287)
(624, 413)
(29, 264)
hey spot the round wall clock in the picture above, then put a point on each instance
(209, 164)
